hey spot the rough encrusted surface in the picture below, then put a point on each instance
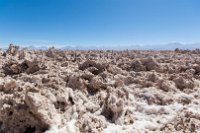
(55, 91)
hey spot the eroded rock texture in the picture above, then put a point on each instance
(57, 91)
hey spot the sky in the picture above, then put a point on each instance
(99, 22)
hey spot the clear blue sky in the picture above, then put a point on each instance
(99, 22)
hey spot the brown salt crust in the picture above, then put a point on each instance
(12, 50)
(185, 121)
(13, 68)
(113, 108)
(91, 123)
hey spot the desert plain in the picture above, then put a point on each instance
(99, 91)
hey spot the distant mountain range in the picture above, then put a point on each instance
(37, 48)
(170, 46)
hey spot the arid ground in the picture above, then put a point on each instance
(94, 91)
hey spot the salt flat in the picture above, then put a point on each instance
(96, 91)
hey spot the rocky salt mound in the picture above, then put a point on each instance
(57, 91)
